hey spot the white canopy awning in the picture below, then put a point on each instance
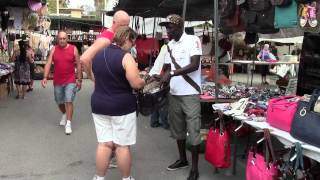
(296, 40)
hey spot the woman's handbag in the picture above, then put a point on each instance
(260, 167)
(281, 111)
(293, 168)
(148, 102)
(306, 123)
(218, 151)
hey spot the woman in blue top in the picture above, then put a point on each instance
(113, 104)
(265, 55)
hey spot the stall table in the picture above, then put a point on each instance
(257, 62)
(284, 137)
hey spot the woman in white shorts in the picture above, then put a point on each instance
(113, 103)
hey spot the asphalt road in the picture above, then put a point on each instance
(34, 147)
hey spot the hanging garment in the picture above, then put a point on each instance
(289, 12)
(17, 14)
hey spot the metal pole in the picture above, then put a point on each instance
(184, 11)
(57, 7)
(216, 49)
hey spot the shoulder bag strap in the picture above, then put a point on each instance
(269, 147)
(107, 66)
(185, 77)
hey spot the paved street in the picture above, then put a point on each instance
(34, 147)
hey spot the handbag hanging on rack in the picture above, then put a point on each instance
(205, 34)
(260, 166)
(218, 151)
(293, 167)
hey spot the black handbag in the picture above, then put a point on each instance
(149, 102)
(293, 168)
(306, 122)
(205, 34)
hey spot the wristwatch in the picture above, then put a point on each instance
(171, 73)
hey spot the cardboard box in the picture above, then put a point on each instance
(3, 90)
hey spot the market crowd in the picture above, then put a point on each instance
(110, 62)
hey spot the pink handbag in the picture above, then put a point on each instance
(281, 111)
(258, 166)
(218, 149)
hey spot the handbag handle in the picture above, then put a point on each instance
(297, 151)
(221, 121)
(269, 147)
(281, 98)
(313, 99)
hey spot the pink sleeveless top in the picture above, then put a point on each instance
(64, 65)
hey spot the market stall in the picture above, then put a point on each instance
(233, 16)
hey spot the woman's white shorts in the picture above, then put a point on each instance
(121, 130)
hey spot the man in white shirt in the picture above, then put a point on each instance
(162, 112)
(182, 68)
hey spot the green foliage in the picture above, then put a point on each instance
(52, 6)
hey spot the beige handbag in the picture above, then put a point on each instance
(317, 106)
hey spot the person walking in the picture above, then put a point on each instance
(22, 77)
(182, 70)
(113, 103)
(66, 59)
(120, 18)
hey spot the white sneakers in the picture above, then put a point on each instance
(63, 120)
(102, 178)
(128, 178)
(68, 129)
(97, 178)
(113, 163)
(66, 123)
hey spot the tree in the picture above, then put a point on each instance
(100, 5)
(52, 5)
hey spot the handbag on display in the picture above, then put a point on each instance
(281, 111)
(293, 167)
(306, 122)
(238, 108)
(218, 150)
(152, 97)
(259, 166)
(205, 35)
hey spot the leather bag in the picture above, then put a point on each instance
(281, 3)
(281, 111)
(258, 5)
(293, 167)
(218, 150)
(149, 102)
(259, 166)
(306, 123)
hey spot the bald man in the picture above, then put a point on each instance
(120, 18)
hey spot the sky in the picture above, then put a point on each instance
(78, 3)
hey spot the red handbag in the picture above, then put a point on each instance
(218, 151)
(145, 48)
(260, 167)
(281, 111)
